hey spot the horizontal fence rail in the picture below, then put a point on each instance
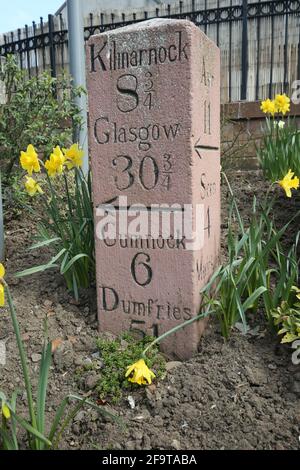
(259, 42)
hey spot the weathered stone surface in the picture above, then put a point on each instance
(155, 137)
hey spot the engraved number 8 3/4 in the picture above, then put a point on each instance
(129, 98)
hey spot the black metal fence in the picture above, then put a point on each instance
(260, 43)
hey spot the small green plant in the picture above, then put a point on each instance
(275, 268)
(116, 356)
(230, 298)
(287, 317)
(138, 372)
(258, 269)
(38, 111)
(236, 286)
(38, 438)
(67, 221)
(280, 276)
(129, 365)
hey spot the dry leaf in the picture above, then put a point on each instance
(51, 313)
(101, 402)
(55, 344)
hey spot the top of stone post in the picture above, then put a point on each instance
(149, 24)
(154, 24)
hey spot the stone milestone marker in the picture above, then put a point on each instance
(154, 136)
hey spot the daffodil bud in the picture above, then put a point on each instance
(5, 411)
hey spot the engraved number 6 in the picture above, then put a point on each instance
(135, 264)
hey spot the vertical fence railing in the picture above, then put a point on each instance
(257, 59)
(298, 69)
(258, 54)
(285, 66)
(230, 60)
(272, 56)
(43, 48)
(244, 51)
(52, 46)
(35, 50)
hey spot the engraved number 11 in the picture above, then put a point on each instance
(207, 117)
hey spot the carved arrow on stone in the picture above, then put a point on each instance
(199, 147)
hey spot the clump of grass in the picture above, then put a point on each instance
(116, 356)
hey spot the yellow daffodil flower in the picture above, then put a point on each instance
(5, 411)
(2, 274)
(289, 182)
(73, 156)
(2, 271)
(268, 107)
(139, 373)
(54, 165)
(32, 186)
(282, 104)
(29, 160)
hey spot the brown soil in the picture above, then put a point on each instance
(243, 394)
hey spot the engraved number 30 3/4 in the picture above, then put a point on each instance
(148, 172)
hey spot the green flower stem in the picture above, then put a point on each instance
(241, 225)
(175, 329)
(67, 421)
(68, 194)
(22, 356)
(53, 195)
(264, 205)
(49, 211)
(53, 209)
